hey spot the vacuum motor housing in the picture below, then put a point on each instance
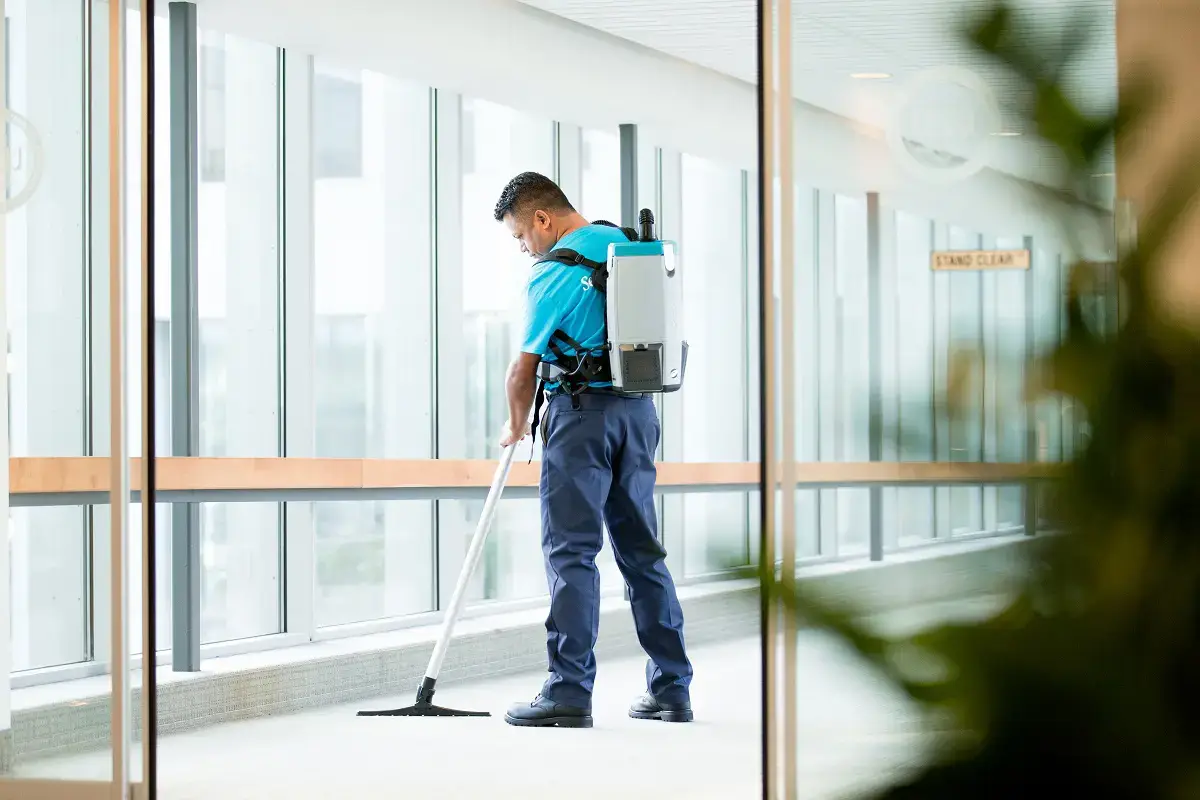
(647, 351)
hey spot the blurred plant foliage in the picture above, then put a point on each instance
(1086, 684)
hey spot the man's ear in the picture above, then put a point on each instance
(541, 219)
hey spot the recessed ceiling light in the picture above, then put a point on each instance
(1105, 175)
(1006, 133)
(871, 76)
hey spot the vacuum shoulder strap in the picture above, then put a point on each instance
(599, 277)
(574, 258)
(630, 233)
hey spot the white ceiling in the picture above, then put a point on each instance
(835, 38)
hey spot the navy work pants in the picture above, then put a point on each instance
(598, 468)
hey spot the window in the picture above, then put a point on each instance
(211, 108)
(965, 311)
(337, 126)
(1048, 300)
(239, 353)
(1004, 370)
(713, 268)
(845, 410)
(372, 383)
(46, 292)
(498, 143)
(909, 512)
(600, 159)
(337, 118)
(806, 317)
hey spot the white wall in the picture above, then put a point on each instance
(510, 53)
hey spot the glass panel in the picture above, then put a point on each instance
(1048, 309)
(942, 133)
(238, 281)
(61, 569)
(373, 372)
(913, 347)
(713, 409)
(851, 353)
(240, 588)
(373, 560)
(966, 333)
(600, 197)
(46, 291)
(806, 322)
(1008, 357)
(497, 143)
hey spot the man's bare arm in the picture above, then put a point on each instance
(519, 386)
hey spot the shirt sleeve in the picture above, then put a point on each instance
(545, 304)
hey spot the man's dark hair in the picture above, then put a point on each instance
(530, 191)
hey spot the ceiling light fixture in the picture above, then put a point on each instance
(871, 76)
(1105, 175)
(1006, 133)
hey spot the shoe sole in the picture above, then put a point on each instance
(663, 716)
(550, 722)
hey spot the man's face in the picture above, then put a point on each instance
(534, 231)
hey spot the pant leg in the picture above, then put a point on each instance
(574, 485)
(633, 529)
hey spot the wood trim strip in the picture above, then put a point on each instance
(91, 474)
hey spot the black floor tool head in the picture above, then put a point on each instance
(424, 710)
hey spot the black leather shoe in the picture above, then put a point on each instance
(648, 707)
(543, 713)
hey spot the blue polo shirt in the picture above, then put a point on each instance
(561, 297)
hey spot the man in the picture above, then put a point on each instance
(597, 468)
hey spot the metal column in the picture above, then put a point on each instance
(629, 176)
(1031, 512)
(185, 326)
(629, 202)
(875, 365)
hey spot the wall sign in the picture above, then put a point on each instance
(979, 259)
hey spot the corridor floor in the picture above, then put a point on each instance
(854, 732)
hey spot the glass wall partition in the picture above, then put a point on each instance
(72, 595)
(333, 297)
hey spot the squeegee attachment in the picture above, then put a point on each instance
(424, 707)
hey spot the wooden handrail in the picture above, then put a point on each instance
(91, 474)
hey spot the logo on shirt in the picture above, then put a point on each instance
(586, 280)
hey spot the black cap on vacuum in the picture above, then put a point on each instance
(646, 224)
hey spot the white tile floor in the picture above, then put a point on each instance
(854, 732)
